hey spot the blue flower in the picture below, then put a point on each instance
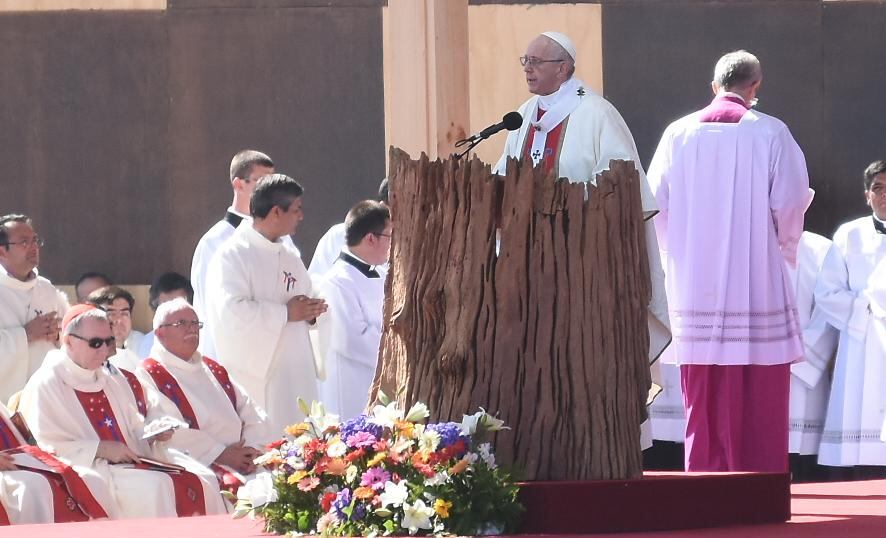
(449, 432)
(359, 424)
(359, 512)
(342, 501)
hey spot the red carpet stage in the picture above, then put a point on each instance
(819, 509)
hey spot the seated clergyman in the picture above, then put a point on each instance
(227, 431)
(78, 411)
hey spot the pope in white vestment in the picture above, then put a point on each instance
(21, 302)
(857, 404)
(251, 286)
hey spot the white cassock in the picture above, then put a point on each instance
(220, 423)
(208, 245)
(20, 302)
(667, 413)
(248, 285)
(26, 496)
(61, 425)
(133, 341)
(126, 359)
(327, 251)
(857, 404)
(354, 325)
(810, 382)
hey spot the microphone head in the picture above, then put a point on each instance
(512, 121)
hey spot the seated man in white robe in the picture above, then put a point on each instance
(260, 305)
(333, 241)
(30, 306)
(227, 431)
(37, 487)
(855, 414)
(87, 418)
(355, 292)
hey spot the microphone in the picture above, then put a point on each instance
(510, 121)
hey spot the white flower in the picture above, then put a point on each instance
(418, 411)
(267, 457)
(259, 491)
(394, 494)
(417, 516)
(428, 439)
(490, 423)
(471, 457)
(438, 479)
(351, 473)
(469, 423)
(487, 456)
(386, 415)
(335, 448)
(481, 420)
(320, 419)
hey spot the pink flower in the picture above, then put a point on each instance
(375, 478)
(360, 440)
(307, 484)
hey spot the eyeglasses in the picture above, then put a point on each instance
(96, 342)
(34, 241)
(532, 61)
(184, 323)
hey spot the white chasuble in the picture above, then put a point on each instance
(61, 425)
(857, 403)
(594, 134)
(810, 382)
(354, 326)
(220, 423)
(20, 302)
(248, 286)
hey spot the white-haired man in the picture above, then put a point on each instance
(227, 431)
(30, 306)
(732, 187)
(78, 412)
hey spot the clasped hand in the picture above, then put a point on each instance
(304, 308)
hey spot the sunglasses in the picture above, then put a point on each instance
(96, 342)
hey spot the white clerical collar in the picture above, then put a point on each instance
(81, 378)
(10, 281)
(160, 353)
(256, 238)
(883, 222)
(350, 252)
(569, 87)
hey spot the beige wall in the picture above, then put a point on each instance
(59, 5)
(142, 316)
(498, 35)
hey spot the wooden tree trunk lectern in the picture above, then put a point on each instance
(550, 333)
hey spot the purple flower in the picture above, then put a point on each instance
(361, 440)
(360, 423)
(375, 478)
(359, 512)
(449, 432)
(342, 501)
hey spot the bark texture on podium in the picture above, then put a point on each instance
(550, 333)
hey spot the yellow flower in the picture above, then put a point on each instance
(442, 507)
(375, 460)
(296, 476)
(406, 428)
(297, 429)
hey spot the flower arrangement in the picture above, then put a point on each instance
(384, 473)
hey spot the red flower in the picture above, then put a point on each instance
(355, 455)
(326, 501)
(276, 444)
(380, 445)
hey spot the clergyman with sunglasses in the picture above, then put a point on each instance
(24, 295)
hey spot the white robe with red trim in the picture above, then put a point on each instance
(248, 285)
(20, 302)
(60, 425)
(220, 423)
(27, 497)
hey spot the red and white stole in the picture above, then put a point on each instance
(549, 156)
(188, 489)
(137, 390)
(71, 498)
(170, 387)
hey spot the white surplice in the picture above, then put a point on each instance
(26, 495)
(810, 383)
(327, 251)
(354, 325)
(594, 134)
(667, 413)
(221, 425)
(58, 421)
(857, 403)
(206, 248)
(248, 285)
(725, 240)
(126, 359)
(20, 302)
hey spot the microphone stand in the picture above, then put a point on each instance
(471, 142)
